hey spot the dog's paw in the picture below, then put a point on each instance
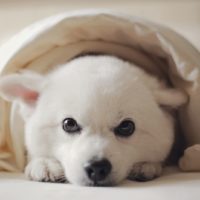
(45, 169)
(190, 160)
(145, 171)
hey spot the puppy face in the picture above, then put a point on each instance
(94, 114)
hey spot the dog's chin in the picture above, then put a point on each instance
(102, 184)
(105, 183)
(108, 183)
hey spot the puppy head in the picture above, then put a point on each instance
(97, 115)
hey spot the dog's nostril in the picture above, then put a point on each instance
(98, 170)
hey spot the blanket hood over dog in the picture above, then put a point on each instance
(56, 40)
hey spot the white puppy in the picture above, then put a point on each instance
(94, 121)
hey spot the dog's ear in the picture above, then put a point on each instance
(24, 88)
(172, 98)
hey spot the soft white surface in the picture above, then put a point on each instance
(171, 186)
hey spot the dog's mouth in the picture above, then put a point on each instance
(101, 184)
(105, 183)
(108, 183)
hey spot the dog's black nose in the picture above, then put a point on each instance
(98, 170)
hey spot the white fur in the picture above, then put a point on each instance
(99, 92)
(45, 169)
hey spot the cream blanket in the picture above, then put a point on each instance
(56, 40)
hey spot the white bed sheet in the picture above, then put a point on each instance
(171, 186)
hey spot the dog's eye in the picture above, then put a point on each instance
(70, 125)
(125, 128)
